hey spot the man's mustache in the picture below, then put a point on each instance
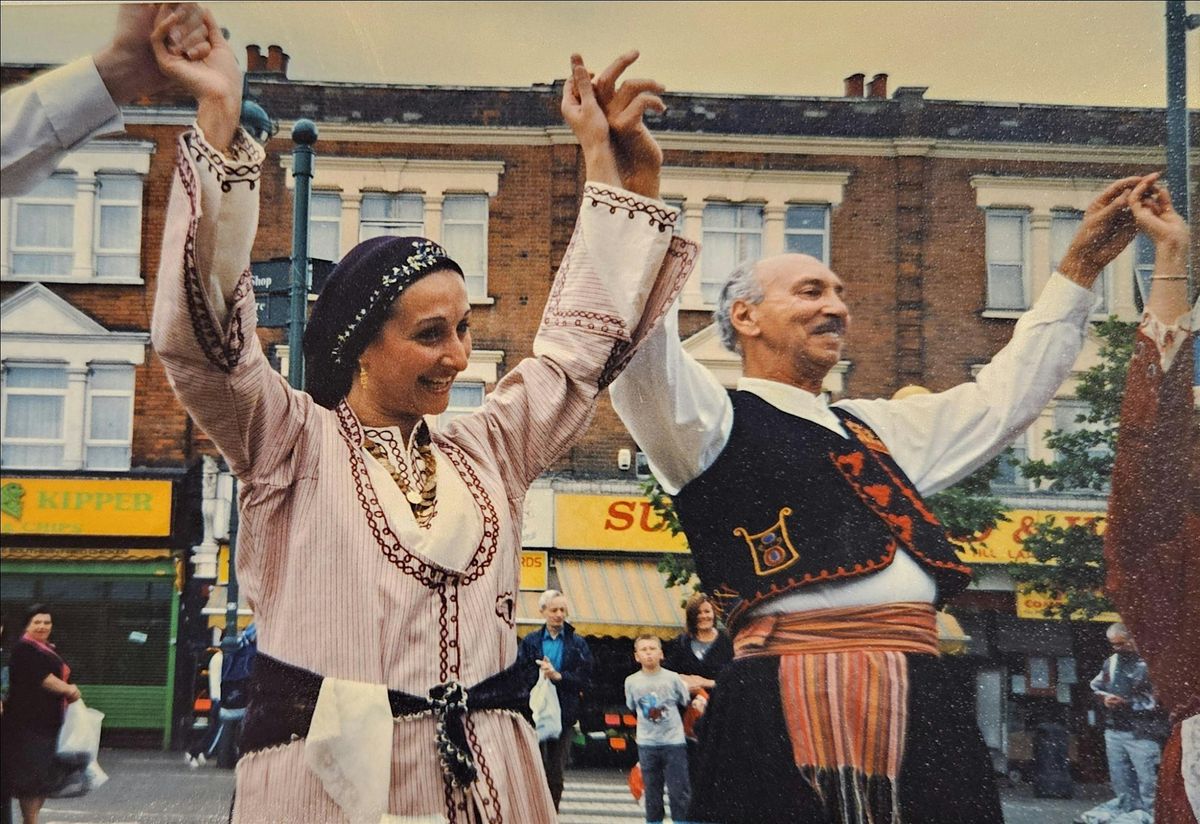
(832, 325)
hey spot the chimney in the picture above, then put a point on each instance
(255, 62)
(854, 85)
(277, 60)
(878, 86)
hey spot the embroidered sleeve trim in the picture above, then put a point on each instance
(659, 216)
(555, 316)
(223, 350)
(243, 165)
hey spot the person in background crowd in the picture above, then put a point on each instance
(807, 524)
(199, 755)
(565, 658)
(60, 110)
(381, 553)
(698, 654)
(1150, 542)
(1130, 713)
(658, 695)
(39, 690)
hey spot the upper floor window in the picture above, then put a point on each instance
(43, 229)
(464, 235)
(325, 226)
(465, 397)
(733, 232)
(1006, 259)
(46, 421)
(1008, 472)
(35, 400)
(397, 215)
(1064, 223)
(806, 230)
(84, 222)
(677, 204)
(109, 425)
(1143, 265)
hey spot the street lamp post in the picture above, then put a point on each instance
(304, 134)
(1179, 22)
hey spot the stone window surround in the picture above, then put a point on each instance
(434, 179)
(99, 158)
(774, 189)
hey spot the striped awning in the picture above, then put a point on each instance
(620, 598)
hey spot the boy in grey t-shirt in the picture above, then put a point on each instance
(657, 695)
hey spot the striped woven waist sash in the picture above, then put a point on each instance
(843, 686)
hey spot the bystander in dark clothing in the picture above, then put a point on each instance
(564, 656)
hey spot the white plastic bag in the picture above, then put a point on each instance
(79, 738)
(547, 716)
(78, 747)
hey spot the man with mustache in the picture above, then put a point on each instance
(807, 526)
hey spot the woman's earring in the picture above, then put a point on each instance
(362, 375)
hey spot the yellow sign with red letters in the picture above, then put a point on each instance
(612, 523)
(1005, 543)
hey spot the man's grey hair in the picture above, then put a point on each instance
(546, 597)
(742, 284)
(1115, 630)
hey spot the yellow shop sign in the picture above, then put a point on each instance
(84, 506)
(535, 570)
(1005, 544)
(1032, 603)
(611, 523)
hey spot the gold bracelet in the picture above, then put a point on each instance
(1168, 277)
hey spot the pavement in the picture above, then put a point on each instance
(156, 787)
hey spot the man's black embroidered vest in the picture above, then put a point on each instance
(789, 504)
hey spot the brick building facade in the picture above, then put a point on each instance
(944, 218)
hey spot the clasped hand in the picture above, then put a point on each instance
(607, 119)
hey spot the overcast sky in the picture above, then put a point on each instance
(1088, 53)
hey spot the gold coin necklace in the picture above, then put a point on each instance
(421, 491)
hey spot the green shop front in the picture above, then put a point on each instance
(98, 553)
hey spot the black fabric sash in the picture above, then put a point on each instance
(283, 698)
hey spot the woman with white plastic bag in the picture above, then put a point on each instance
(78, 749)
(39, 693)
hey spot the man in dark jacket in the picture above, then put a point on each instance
(556, 651)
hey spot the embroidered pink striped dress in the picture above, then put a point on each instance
(341, 580)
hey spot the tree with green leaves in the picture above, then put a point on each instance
(1071, 555)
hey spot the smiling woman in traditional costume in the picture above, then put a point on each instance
(381, 556)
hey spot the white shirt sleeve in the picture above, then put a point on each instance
(941, 438)
(43, 119)
(676, 410)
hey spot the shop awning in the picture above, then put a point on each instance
(620, 598)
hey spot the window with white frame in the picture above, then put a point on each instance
(1064, 223)
(1143, 265)
(464, 236)
(465, 397)
(806, 230)
(733, 232)
(109, 425)
(1006, 258)
(325, 226)
(43, 229)
(118, 226)
(38, 418)
(1008, 471)
(35, 400)
(396, 215)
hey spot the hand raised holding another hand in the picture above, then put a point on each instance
(1107, 228)
(214, 80)
(639, 157)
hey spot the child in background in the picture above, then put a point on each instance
(657, 696)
